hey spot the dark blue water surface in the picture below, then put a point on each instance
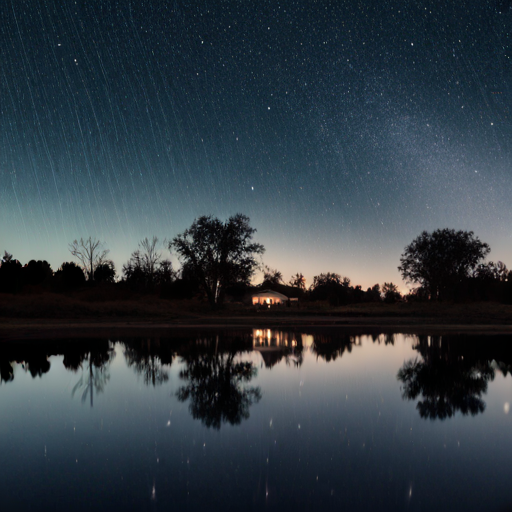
(257, 420)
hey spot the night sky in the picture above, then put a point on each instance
(342, 129)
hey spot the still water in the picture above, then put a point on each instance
(257, 420)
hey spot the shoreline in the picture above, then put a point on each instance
(39, 329)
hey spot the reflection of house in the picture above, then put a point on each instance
(269, 297)
(274, 345)
(272, 338)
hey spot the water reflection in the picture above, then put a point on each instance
(309, 419)
(216, 382)
(148, 358)
(330, 348)
(35, 362)
(452, 374)
(91, 357)
(6, 371)
(94, 363)
(449, 375)
(274, 346)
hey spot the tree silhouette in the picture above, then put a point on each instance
(298, 281)
(491, 271)
(218, 253)
(373, 294)
(37, 272)
(7, 257)
(146, 266)
(69, 276)
(272, 276)
(332, 287)
(330, 278)
(105, 272)
(215, 388)
(90, 253)
(10, 274)
(390, 292)
(438, 261)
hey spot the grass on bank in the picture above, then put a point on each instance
(122, 304)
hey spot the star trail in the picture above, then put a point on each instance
(342, 129)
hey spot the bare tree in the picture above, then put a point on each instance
(90, 252)
(146, 265)
(150, 255)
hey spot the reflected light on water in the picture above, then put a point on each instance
(321, 451)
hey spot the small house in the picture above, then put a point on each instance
(269, 297)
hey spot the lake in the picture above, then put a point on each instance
(257, 419)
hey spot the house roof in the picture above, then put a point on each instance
(270, 293)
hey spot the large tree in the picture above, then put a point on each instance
(218, 253)
(440, 260)
(332, 287)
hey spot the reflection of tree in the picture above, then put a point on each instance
(330, 347)
(147, 365)
(37, 365)
(387, 338)
(294, 355)
(33, 356)
(6, 371)
(96, 375)
(445, 381)
(504, 368)
(215, 388)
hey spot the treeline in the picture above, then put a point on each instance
(138, 275)
(219, 259)
(144, 271)
(331, 287)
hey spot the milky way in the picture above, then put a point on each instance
(343, 129)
